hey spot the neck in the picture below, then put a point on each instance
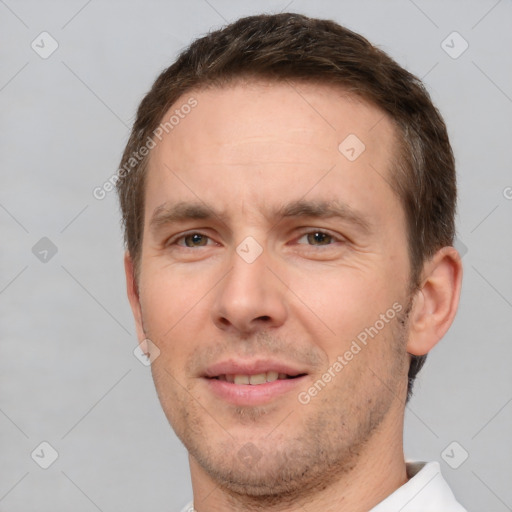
(378, 471)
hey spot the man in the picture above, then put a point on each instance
(288, 195)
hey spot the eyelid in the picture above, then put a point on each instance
(336, 236)
(179, 236)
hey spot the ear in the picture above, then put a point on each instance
(133, 295)
(436, 301)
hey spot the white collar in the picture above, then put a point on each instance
(425, 491)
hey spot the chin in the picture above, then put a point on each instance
(269, 479)
(267, 471)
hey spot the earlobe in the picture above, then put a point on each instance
(133, 295)
(435, 302)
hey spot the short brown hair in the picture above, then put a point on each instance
(293, 47)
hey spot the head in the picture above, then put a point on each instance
(295, 200)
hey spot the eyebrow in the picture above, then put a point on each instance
(168, 213)
(324, 209)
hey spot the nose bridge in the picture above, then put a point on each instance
(249, 295)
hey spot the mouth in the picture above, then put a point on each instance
(251, 383)
(256, 379)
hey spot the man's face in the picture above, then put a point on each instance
(269, 251)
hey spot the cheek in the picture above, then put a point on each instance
(171, 302)
(353, 319)
(340, 303)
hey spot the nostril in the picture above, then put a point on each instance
(265, 318)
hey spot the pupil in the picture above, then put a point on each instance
(319, 238)
(194, 240)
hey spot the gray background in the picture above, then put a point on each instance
(67, 372)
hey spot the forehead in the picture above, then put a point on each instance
(280, 111)
(253, 140)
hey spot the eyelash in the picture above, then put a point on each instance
(335, 238)
(182, 237)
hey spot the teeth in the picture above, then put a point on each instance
(241, 379)
(260, 378)
(272, 376)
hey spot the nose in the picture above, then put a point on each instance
(249, 298)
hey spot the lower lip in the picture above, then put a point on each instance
(247, 394)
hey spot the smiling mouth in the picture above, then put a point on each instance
(257, 379)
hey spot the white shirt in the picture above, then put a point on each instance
(425, 491)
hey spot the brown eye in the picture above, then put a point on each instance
(195, 240)
(319, 238)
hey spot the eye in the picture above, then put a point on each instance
(192, 240)
(317, 238)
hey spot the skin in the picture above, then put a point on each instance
(245, 151)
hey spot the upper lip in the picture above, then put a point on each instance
(251, 367)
